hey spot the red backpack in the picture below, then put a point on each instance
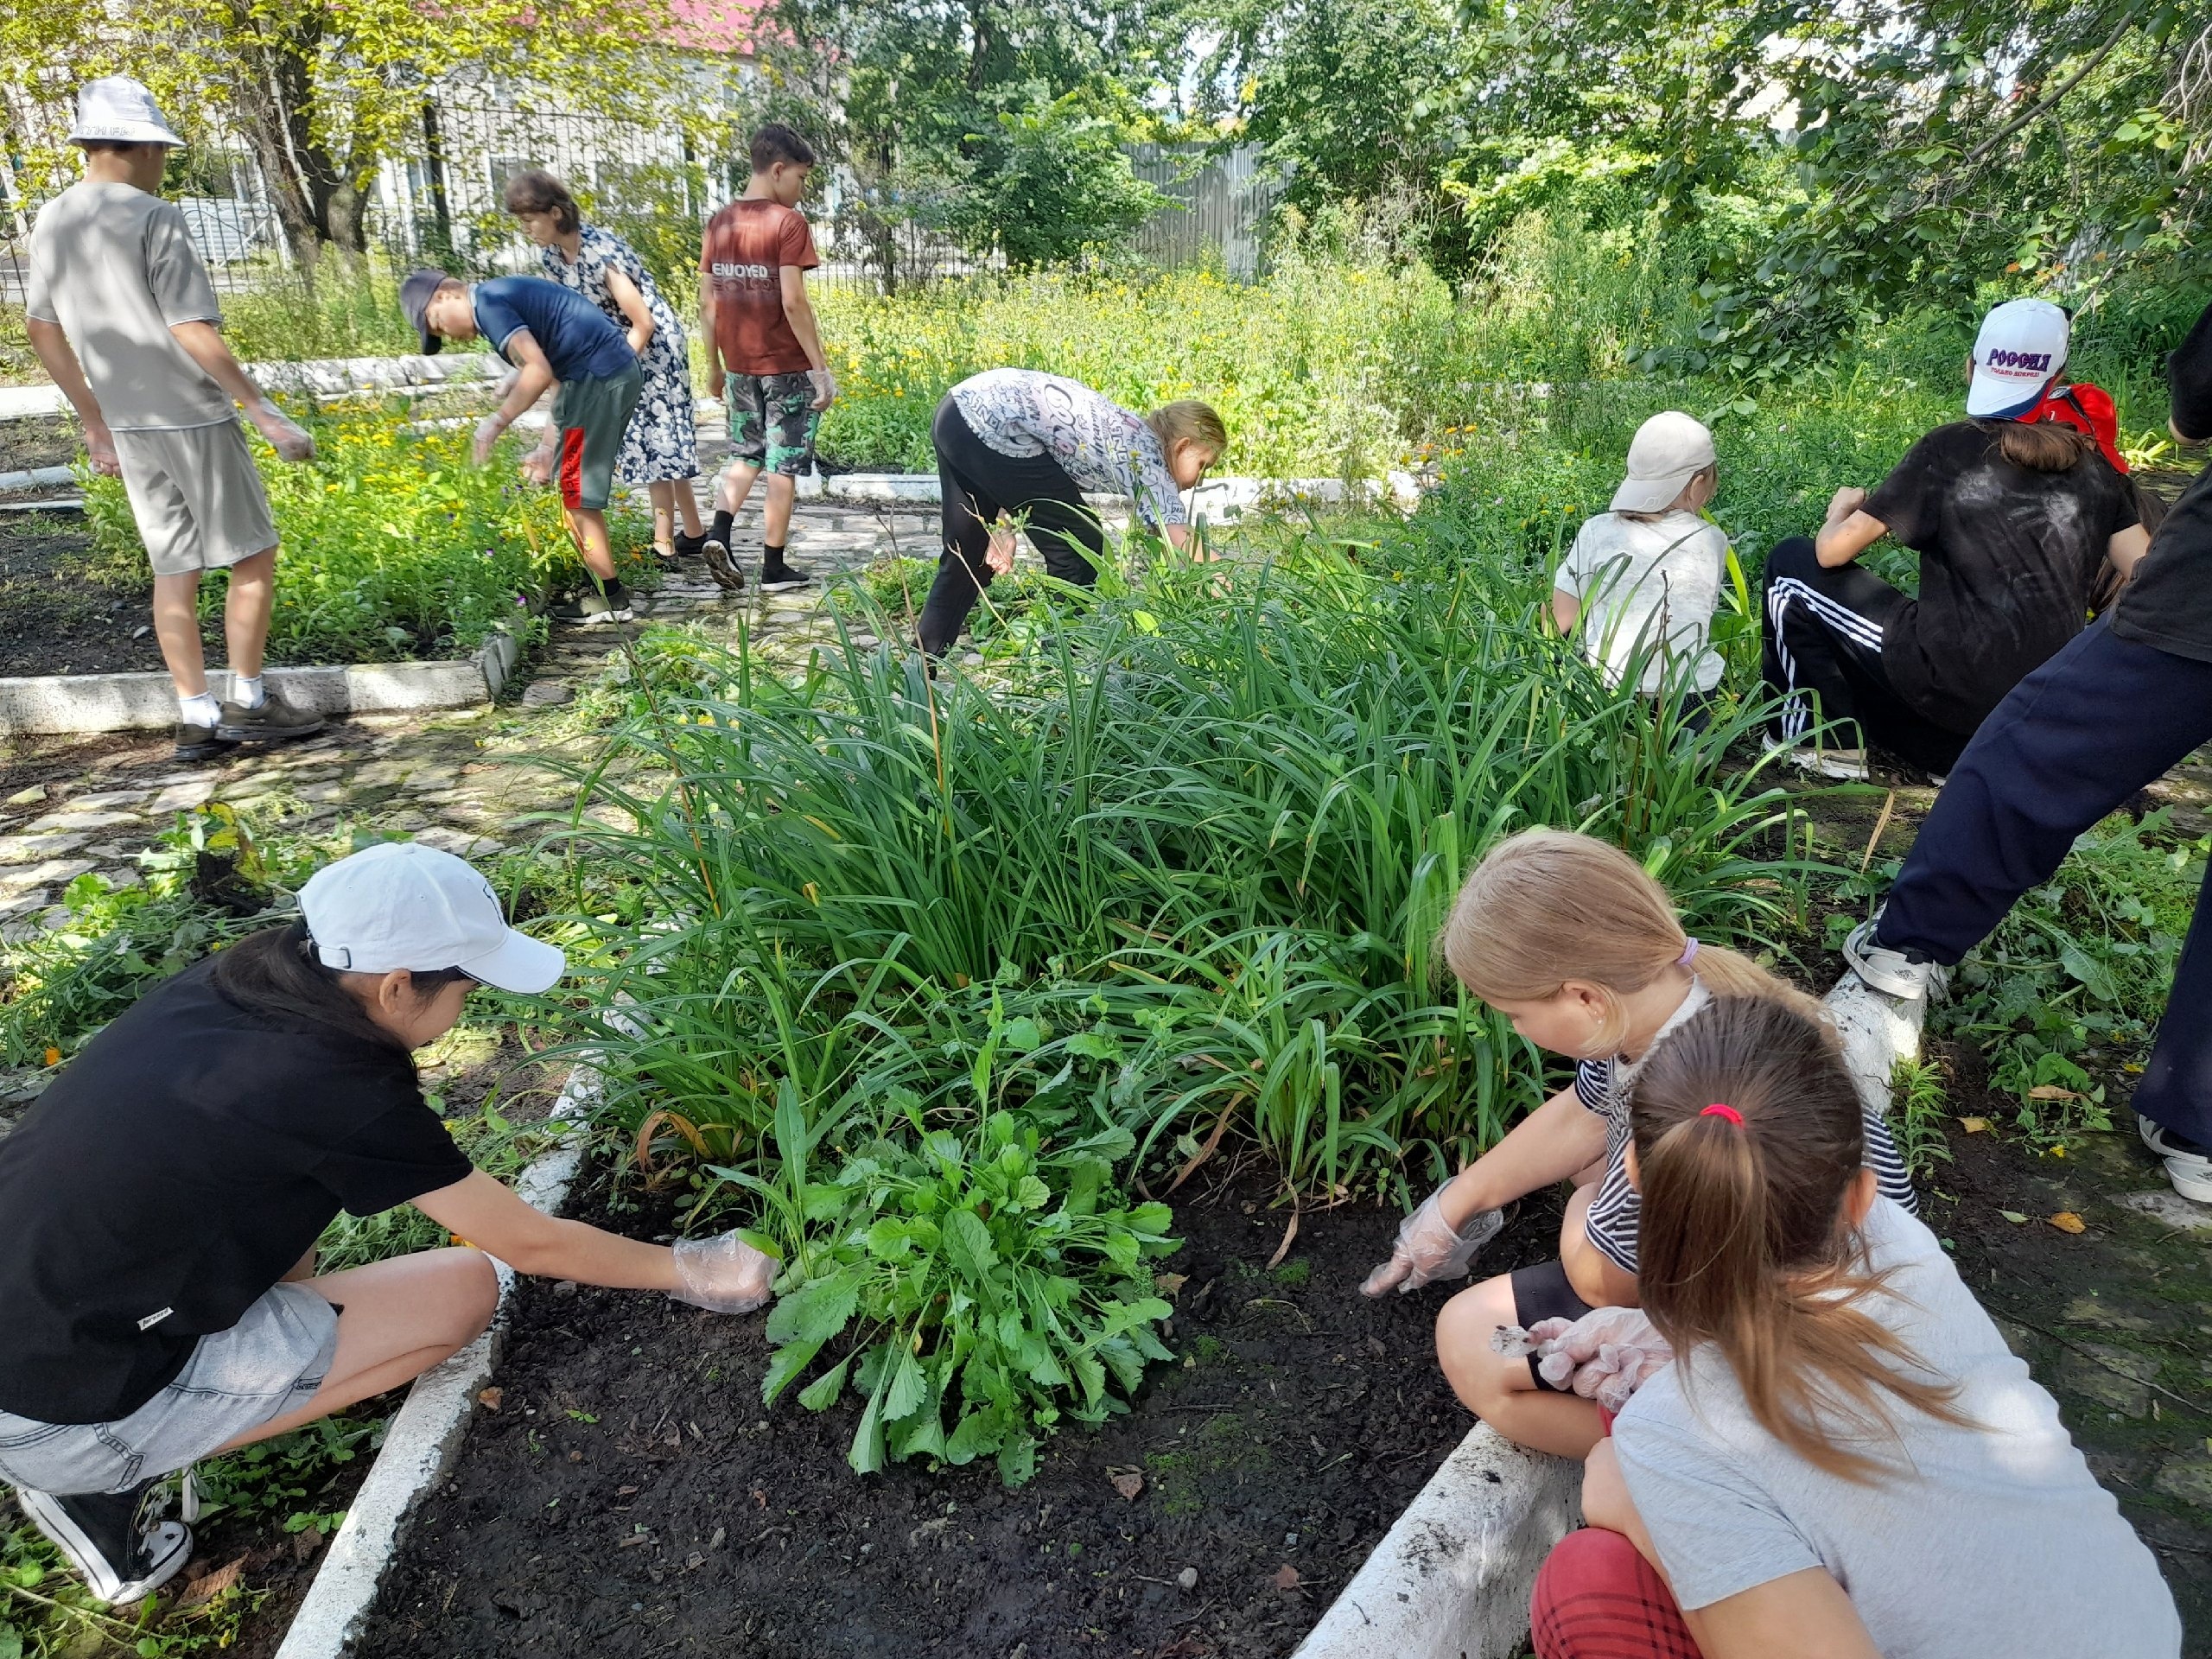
(2085, 409)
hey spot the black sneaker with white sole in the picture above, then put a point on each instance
(779, 578)
(593, 609)
(689, 547)
(123, 1556)
(727, 575)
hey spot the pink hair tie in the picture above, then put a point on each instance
(1729, 1112)
(1689, 953)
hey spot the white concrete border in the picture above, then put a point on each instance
(423, 1440)
(54, 704)
(1451, 1580)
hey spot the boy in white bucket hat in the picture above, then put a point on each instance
(1642, 580)
(162, 1201)
(122, 313)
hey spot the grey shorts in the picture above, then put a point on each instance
(196, 496)
(268, 1363)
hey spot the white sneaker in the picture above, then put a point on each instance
(1845, 765)
(1890, 972)
(2188, 1167)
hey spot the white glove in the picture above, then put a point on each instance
(538, 465)
(487, 434)
(1607, 1355)
(291, 441)
(1428, 1248)
(1000, 555)
(825, 389)
(723, 1274)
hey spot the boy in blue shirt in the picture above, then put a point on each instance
(551, 336)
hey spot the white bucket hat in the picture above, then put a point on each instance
(116, 110)
(403, 906)
(1668, 451)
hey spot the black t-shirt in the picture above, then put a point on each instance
(2168, 603)
(2007, 558)
(180, 1166)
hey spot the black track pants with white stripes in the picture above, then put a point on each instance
(1823, 650)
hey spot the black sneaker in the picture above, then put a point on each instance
(123, 1557)
(270, 720)
(689, 547)
(198, 742)
(593, 609)
(727, 575)
(777, 578)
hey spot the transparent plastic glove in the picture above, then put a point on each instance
(723, 1274)
(999, 558)
(504, 385)
(1606, 1356)
(1428, 1249)
(487, 434)
(291, 441)
(825, 388)
(538, 465)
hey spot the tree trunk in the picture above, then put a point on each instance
(273, 97)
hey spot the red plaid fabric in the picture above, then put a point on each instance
(1597, 1598)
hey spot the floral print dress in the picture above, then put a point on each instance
(662, 444)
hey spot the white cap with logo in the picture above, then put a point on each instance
(116, 110)
(402, 906)
(1668, 451)
(2019, 350)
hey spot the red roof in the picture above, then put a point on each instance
(730, 26)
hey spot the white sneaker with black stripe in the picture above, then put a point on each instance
(107, 1537)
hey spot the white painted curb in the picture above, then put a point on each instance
(421, 1442)
(323, 377)
(39, 478)
(1877, 1031)
(1451, 1580)
(56, 704)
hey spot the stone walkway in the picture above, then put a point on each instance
(462, 779)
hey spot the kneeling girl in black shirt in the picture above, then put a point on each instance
(162, 1199)
(2015, 518)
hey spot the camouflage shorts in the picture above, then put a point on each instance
(772, 421)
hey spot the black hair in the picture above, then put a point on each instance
(535, 190)
(276, 972)
(778, 142)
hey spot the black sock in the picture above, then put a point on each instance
(721, 530)
(772, 558)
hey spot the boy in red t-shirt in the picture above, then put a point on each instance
(763, 352)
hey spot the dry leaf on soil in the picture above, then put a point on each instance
(1127, 1481)
(2052, 1091)
(490, 1398)
(2067, 1222)
(2013, 1216)
(1168, 1283)
(201, 1591)
(1286, 1577)
(1974, 1125)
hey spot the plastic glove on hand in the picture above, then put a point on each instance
(999, 558)
(1428, 1248)
(487, 434)
(723, 1274)
(291, 441)
(825, 389)
(1606, 1356)
(538, 465)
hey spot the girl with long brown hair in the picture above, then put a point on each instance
(1845, 1460)
(1572, 940)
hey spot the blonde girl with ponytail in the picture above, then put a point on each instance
(1571, 939)
(1844, 1460)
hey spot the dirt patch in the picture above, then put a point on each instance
(64, 610)
(2115, 1320)
(28, 445)
(631, 1493)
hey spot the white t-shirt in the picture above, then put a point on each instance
(1992, 1539)
(115, 267)
(1646, 584)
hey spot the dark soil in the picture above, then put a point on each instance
(2116, 1320)
(28, 445)
(63, 611)
(630, 1494)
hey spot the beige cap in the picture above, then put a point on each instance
(1668, 450)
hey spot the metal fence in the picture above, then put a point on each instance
(442, 203)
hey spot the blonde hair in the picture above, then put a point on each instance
(1188, 421)
(1547, 906)
(1741, 1237)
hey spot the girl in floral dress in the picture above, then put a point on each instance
(661, 449)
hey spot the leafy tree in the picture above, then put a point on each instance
(1051, 181)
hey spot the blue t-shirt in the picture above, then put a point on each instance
(573, 334)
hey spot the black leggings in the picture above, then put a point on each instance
(1823, 640)
(978, 484)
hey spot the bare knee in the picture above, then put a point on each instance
(1479, 1375)
(467, 1291)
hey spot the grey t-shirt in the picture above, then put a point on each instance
(1995, 1540)
(115, 267)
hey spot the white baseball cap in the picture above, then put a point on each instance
(402, 906)
(118, 110)
(2019, 350)
(1668, 451)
